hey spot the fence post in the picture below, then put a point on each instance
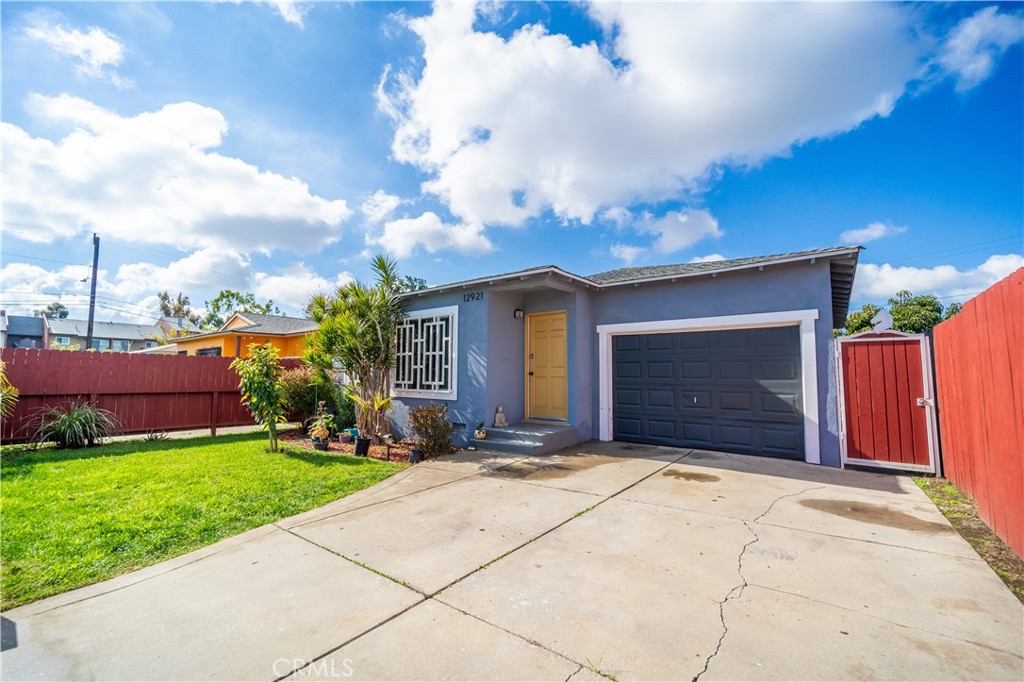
(214, 413)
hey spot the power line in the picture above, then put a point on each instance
(47, 260)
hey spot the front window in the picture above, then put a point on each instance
(100, 344)
(426, 360)
(63, 340)
(122, 346)
(208, 351)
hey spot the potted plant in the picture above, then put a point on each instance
(320, 430)
(481, 432)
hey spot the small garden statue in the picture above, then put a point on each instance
(500, 421)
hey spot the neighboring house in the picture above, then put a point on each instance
(3, 329)
(162, 349)
(287, 334)
(25, 331)
(120, 337)
(733, 355)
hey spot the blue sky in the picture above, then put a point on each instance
(272, 147)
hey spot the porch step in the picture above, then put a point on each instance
(529, 439)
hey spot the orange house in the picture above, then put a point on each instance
(287, 334)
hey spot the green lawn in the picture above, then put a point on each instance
(69, 518)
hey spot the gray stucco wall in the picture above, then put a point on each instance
(797, 286)
(505, 357)
(467, 408)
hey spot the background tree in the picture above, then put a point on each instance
(859, 320)
(260, 375)
(914, 314)
(910, 314)
(228, 301)
(357, 330)
(410, 283)
(55, 311)
(177, 307)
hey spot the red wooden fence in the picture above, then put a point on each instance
(979, 365)
(145, 392)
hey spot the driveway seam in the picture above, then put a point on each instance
(559, 525)
(886, 620)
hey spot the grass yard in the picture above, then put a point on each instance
(70, 518)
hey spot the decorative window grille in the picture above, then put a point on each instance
(426, 359)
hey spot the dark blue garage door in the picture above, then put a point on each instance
(735, 391)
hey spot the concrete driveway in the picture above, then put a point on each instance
(631, 562)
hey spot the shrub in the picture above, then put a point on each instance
(346, 417)
(260, 381)
(303, 388)
(8, 394)
(432, 429)
(74, 426)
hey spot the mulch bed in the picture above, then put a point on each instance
(398, 451)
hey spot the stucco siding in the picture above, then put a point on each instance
(799, 286)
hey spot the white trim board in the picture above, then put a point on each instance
(808, 360)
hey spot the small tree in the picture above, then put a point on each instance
(357, 330)
(260, 375)
(228, 301)
(8, 393)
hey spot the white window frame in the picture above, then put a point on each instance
(808, 358)
(62, 340)
(121, 345)
(453, 392)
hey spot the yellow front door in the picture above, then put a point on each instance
(546, 366)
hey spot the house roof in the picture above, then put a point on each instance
(842, 260)
(272, 325)
(265, 325)
(101, 330)
(24, 325)
(182, 324)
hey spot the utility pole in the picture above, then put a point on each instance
(92, 294)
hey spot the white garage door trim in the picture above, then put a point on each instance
(808, 360)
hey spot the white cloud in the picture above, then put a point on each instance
(379, 206)
(617, 215)
(871, 232)
(156, 178)
(881, 282)
(98, 52)
(293, 286)
(402, 236)
(292, 12)
(626, 252)
(678, 229)
(510, 128)
(970, 50)
(710, 258)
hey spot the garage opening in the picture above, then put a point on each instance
(736, 390)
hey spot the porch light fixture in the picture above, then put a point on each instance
(518, 313)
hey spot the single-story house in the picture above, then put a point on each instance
(287, 334)
(120, 337)
(731, 355)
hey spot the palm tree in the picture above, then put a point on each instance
(357, 328)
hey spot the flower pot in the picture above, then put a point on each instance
(415, 456)
(480, 434)
(344, 437)
(320, 443)
(362, 447)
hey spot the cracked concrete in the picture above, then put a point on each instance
(600, 562)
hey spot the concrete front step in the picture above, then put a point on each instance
(529, 439)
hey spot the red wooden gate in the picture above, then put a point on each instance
(887, 418)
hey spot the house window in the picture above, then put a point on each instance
(62, 340)
(122, 346)
(208, 351)
(100, 344)
(426, 361)
(150, 344)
